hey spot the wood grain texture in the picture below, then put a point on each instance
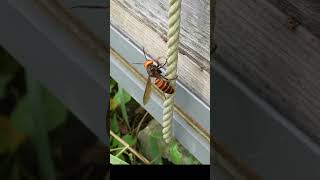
(307, 12)
(145, 23)
(281, 65)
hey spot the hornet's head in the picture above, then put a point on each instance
(147, 63)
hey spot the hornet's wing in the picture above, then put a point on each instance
(147, 91)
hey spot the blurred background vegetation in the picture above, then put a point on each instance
(39, 137)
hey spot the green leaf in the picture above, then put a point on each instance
(125, 114)
(175, 154)
(112, 84)
(113, 104)
(112, 143)
(122, 96)
(34, 109)
(129, 139)
(55, 111)
(115, 143)
(22, 116)
(117, 161)
(45, 104)
(120, 156)
(130, 155)
(114, 123)
(155, 150)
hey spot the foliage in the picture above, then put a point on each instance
(155, 149)
(36, 113)
(176, 155)
(117, 161)
(119, 99)
(38, 102)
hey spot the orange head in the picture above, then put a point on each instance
(147, 63)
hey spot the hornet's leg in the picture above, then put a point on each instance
(170, 79)
(164, 64)
(158, 62)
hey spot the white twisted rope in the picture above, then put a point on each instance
(172, 56)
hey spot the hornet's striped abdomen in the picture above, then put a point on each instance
(164, 86)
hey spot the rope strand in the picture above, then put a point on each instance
(172, 55)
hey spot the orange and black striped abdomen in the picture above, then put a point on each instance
(164, 86)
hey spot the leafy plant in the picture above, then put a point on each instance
(36, 114)
(155, 149)
(117, 147)
(37, 103)
(121, 98)
(175, 154)
(114, 124)
(118, 101)
(33, 116)
(117, 161)
(112, 85)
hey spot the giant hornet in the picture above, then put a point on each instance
(155, 70)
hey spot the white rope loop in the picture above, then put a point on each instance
(172, 56)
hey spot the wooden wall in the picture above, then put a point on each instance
(281, 65)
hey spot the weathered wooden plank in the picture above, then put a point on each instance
(145, 23)
(307, 12)
(195, 23)
(281, 65)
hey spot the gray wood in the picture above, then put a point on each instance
(307, 12)
(281, 65)
(195, 24)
